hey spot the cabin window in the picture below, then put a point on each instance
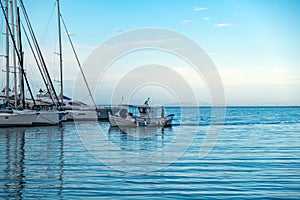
(143, 110)
(74, 104)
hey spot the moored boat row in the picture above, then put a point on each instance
(29, 118)
(48, 108)
(15, 109)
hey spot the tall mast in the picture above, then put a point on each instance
(19, 74)
(13, 52)
(60, 53)
(19, 53)
(7, 56)
(49, 84)
(21, 64)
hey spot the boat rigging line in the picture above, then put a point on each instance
(50, 86)
(18, 51)
(36, 59)
(77, 59)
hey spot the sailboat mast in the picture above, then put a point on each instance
(19, 75)
(13, 53)
(60, 53)
(19, 53)
(7, 57)
(21, 64)
(49, 83)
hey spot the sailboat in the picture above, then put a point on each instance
(45, 114)
(77, 110)
(49, 108)
(9, 115)
(51, 112)
(16, 118)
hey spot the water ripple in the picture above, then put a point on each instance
(257, 157)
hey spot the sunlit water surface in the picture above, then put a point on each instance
(257, 155)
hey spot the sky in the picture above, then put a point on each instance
(254, 45)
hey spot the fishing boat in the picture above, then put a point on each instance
(139, 116)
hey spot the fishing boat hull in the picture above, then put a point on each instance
(116, 121)
(168, 120)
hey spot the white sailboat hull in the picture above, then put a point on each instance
(18, 118)
(47, 118)
(81, 115)
(75, 110)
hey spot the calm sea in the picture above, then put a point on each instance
(256, 156)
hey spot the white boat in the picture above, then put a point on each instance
(16, 111)
(76, 110)
(47, 118)
(48, 114)
(16, 118)
(81, 115)
(64, 108)
(10, 115)
(146, 117)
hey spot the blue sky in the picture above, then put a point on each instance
(254, 44)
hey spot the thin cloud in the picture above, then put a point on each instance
(118, 30)
(206, 18)
(199, 8)
(225, 25)
(186, 21)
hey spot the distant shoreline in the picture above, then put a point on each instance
(191, 106)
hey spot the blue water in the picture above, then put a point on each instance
(257, 156)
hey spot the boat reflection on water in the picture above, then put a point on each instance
(137, 139)
(139, 132)
(29, 157)
(12, 144)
